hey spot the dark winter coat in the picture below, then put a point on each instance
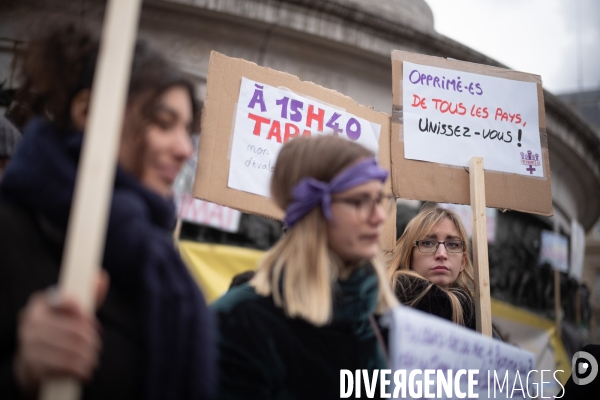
(266, 355)
(436, 301)
(156, 322)
(30, 254)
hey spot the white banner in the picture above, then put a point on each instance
(199, 211)
(451, 116)
(207, 213)
(577, 250)
(554, 250)
(478, 366)
(267, 117)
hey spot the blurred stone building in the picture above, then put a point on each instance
(345, 45)
(587, 104)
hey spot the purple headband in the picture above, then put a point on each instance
(309, 192)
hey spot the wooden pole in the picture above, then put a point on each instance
(86, 232)
(557, 308)
(483, 306)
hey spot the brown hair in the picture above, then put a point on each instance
(305, 290)
(401, 263)
(151, 76)
(59, 63)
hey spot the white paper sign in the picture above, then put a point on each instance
(577, 249)
(207, 213)
(267, 117)
(554, 250)
(451, 116)
(420, 341)
(200, 211)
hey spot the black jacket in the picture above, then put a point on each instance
(436, 301)
(30, 254)
(263, 354)
(154, 304)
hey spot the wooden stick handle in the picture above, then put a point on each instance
(483, 306)
(86, 233)
(557, 306)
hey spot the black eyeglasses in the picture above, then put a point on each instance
(431, 246)
(364, 206)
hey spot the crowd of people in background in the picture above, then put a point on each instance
(282, 332)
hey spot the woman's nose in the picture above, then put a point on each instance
(183, 147)
(378, 214)
(441, 251)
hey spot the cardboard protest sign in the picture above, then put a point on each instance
(276, 115)
(445, 112)
(461, 362)
(251, 111)
(487, 117)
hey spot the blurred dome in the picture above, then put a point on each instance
(411, 12)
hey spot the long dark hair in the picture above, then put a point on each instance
(59, 63)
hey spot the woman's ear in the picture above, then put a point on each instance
(79, 109)
(464, 262)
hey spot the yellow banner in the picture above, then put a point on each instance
(533, 333)
(213, 265)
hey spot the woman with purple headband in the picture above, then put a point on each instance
(308, 312)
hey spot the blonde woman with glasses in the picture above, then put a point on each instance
(431, 268)
(308, 312)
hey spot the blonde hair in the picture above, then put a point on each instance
(400, 268)
(305, 289)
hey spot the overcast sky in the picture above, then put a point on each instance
(537, 36)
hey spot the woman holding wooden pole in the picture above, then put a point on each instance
(156, 333)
